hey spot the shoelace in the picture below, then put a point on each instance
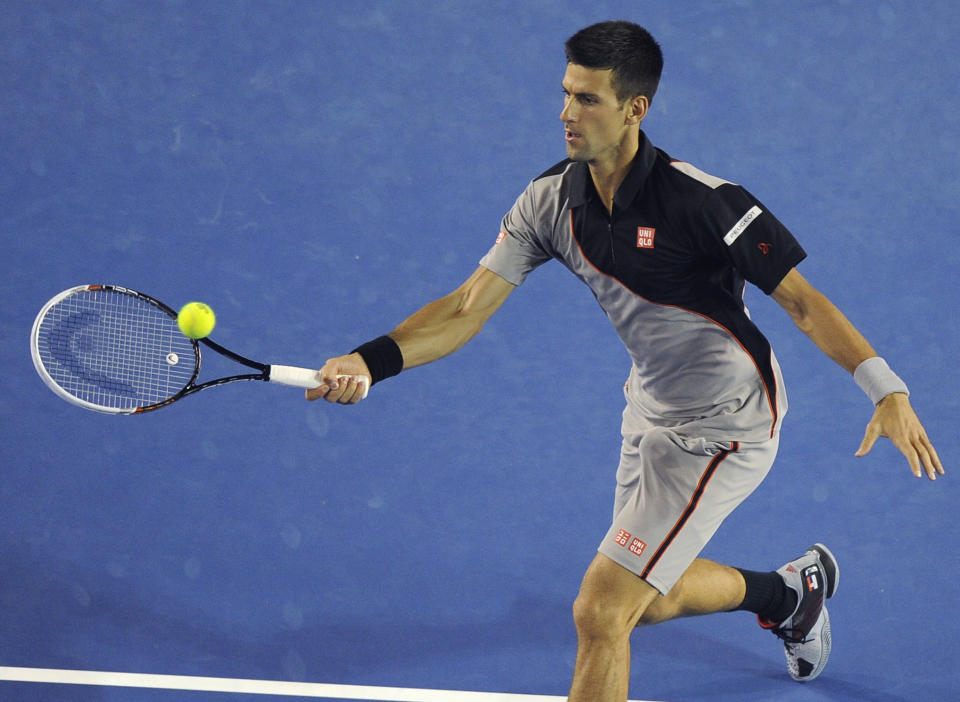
(793, 636)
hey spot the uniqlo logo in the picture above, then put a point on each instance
(622, 538)
(500, 237)
(645, 237)
(637, 547)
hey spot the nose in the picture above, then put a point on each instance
(567, 113)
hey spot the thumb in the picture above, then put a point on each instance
(330, 374)
(869, 439)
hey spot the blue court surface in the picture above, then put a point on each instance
(316, 171)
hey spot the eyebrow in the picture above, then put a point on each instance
(579, 95)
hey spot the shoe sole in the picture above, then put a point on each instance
(830, 567)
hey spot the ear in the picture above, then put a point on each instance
(637, 108)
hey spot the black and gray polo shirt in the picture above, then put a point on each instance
(668, 268)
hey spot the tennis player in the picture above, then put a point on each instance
(666, 250)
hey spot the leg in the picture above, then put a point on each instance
(704, 588)
(610, 603)
(672, 494)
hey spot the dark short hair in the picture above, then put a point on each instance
(626, 48)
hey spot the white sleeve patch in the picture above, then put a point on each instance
(741, 226)
(695, 173)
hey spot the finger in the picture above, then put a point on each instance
(336, 394)
(905, 446)
(930, 459)
(330, 379)
(344, 391)
(933, 459)
(913, 458)
(330, 374)
(363, 385)
(920, 454)
(355, 389)
(922, 464)
(354, 393)
(869, 439)
(316, 393)
(936, 460)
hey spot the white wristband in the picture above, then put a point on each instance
(877, 380)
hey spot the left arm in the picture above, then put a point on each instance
(833, 333)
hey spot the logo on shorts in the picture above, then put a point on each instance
(625, 539)
(645, 237)
(500, 237)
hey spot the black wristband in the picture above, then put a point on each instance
(382, 356)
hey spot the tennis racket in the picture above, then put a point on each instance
(116, 350)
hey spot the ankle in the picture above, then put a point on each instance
(768, 596)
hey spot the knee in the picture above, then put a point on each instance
(598, 617)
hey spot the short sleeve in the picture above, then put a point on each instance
(760, 247)
(519, 247)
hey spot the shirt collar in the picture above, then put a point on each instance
(581, 185)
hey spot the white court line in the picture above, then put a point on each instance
(260, 687)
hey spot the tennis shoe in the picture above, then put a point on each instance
(806, 632)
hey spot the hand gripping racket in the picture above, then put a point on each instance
(115, 350)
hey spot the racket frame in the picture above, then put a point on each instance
(284, 375)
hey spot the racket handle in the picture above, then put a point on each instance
(306, 378)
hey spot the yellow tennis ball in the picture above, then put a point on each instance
(196, 320)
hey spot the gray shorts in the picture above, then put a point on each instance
(673, 492)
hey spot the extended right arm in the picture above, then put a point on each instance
(434, 331)
(443, 326)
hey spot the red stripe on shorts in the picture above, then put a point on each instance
(690, 508)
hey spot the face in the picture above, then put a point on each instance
(597, 126)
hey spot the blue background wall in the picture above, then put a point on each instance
(318, 170)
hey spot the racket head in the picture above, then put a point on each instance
(111, 349)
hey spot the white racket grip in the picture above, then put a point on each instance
(307, 378)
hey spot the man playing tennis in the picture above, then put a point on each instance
(666, 250)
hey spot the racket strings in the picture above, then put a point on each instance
(115, 350)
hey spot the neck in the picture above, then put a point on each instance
(609, 173)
